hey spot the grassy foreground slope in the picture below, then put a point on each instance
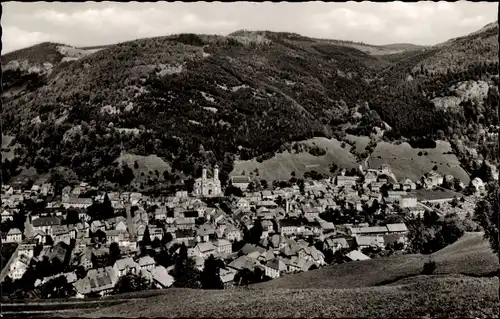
(470, 255)
(423, 296)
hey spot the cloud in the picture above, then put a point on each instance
(146, 21)
(344, 18)
(15, 38)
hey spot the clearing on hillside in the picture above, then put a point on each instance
(283, 164)
(405, 161)
(6, 144)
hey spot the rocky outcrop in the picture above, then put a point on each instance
(473, 91)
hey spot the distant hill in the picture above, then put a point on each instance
(404, 46)
(206, 99)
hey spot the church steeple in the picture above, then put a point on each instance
(204, 173)
(216, 172)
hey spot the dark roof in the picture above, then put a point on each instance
(46, 221)
(190, 214)
(184, 233)
(240, 179)
(289, 222)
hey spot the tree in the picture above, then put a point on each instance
(166, 238)
(244, 277)
(107, 208)
(233, 190)
(49, 241)
(114, 253)
(146, 238)
(57, 288)
(72, 218)
(164, 258)
(264, 183)
(487, 216)
(57, 266)
(100, 235)
(210, 278)
(81, 272)
(130, 283)
(429, 268)
(27, 282)
(251, 187)
(156, 243)
(256, 232)
(184, 272)
(44, 268)
(7, 286)
(301, 185)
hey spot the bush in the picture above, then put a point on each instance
(429, 268)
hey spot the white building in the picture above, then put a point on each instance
(14, 236)
(408, 201)
(208, 187)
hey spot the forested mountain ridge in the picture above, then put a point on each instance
(201, 99)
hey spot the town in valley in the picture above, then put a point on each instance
(88, 242)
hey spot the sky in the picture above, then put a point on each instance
(98, 23)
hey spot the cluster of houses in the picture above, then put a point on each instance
(290, 219)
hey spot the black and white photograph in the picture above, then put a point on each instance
(250, 160)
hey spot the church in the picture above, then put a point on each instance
(208, 187)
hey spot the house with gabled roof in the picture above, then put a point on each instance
(335, 244)
(146, 262)
(232, 233)
(370, 241)
(399, 228)
(161, 278)
(227, 277)
(274, 268)
(204, 250)
(126, 265)
(223, 247)
(14, 235)
(297, 264)
(45, 224)
(356, 255)
(184, 235)
(203, 233)
(100, 280)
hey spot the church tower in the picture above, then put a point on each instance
(204, 173)
(216, 172)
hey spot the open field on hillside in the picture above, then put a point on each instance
(359, 141)
(29, 174)
(471, 254)
(147, 165)
(281, 165)
(6, 144)
(6, 140)
(422, 296)
(405, 162)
